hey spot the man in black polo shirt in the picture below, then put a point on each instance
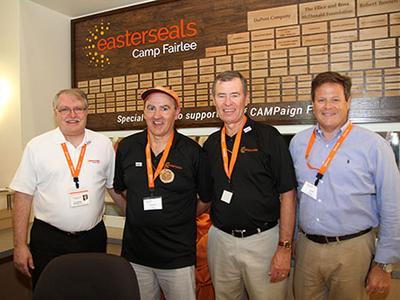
(161, 173)
(253, 190)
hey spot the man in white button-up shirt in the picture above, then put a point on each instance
(64, 174)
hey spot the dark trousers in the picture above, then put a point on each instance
(48, 242)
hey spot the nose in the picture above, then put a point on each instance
(157, 113)
(228, 100)
(328, 104)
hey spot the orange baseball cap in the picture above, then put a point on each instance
(161, 89)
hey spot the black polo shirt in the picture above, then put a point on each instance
(164, 238)
(263, 171)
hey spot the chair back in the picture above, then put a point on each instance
(87, 276)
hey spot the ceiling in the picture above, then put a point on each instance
(78, 8)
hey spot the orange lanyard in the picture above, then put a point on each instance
(328, 160)
(235, 150)
(74, 171)
(161, 163)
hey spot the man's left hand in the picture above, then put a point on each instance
(378, 281)
(280, 265)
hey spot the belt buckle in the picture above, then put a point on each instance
(336, 238)
(240, 231)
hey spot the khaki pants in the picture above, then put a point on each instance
(176, 284)
(239, 266)
(333, 271)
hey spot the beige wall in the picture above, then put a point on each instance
(10, 101)
(35, 62)
(45, 65)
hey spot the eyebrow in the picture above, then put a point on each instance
(73, 107)
(162, 106)
(233, 93)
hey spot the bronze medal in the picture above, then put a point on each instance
(167, 176)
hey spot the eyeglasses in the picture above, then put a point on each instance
(66, 110)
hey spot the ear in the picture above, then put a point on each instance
(55, 113)
(247, 98)
(177, 112)
(212, 97)
(348, 103)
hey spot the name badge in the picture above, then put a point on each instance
(79, 197)
(247, 129)
(310, 190)
(152, 203)
(226, 196)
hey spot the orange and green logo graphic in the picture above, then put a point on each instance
(95, 58)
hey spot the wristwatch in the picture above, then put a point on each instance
(285, 244)
(388, 268)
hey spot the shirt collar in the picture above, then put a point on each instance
(60, 139)
(248, 126)
(143, 139)
(319, 132)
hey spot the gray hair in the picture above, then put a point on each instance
(77, 93)
(228, 76)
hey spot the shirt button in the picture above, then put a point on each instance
(327, 146)
(319, 200)
(317, 219)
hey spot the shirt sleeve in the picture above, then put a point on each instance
(111, 165)
(204, 180)
(282, 164)
(387, 179)
(119, 185)
(25, 179)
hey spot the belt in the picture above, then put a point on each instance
(321, 239)
(68, 233)
(241, 233)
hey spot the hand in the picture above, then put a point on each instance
(280, 265)
(23, 261)
(378, 281)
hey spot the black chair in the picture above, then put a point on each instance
(87, 276)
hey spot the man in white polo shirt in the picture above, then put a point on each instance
(64, 173)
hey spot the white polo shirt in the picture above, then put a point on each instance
(44, 173)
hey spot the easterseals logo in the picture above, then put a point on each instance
(100, 42)
(95, 57)
(180, 30)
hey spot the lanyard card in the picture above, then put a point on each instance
(226, 196)
(79, 197)
(152, 203)
(310, 190)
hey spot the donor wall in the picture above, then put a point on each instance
(278, 45)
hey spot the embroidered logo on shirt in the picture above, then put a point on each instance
(94, 161)
(244, 150)
(168, 165)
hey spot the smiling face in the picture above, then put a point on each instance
(330, 107)
(230, 101)
(71, 114)
(160, 113)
